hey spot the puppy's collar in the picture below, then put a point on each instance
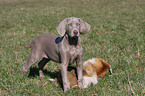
(110, 71)
(59, 39)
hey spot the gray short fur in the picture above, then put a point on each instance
(67, 51)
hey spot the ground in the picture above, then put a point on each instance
(117, 35)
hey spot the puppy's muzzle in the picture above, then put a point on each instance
(75, 34)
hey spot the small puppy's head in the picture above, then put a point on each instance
(73, 27)
(96, 66)
(88, 70)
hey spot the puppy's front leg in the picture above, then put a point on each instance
(79, 70)
(66, 84)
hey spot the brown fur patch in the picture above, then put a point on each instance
(100, 66)
(88, 70)
(71, 77)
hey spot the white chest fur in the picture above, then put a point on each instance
(87, 81)
(74, 51)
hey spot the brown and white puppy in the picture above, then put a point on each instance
(92, 68)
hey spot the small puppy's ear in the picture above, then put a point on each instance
(61, 29)
(85, 27)
(89, 71)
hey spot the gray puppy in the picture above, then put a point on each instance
(65, 50)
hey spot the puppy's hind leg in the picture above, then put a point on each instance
(41, 65)
(33, 57)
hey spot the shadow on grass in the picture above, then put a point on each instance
(35, 72)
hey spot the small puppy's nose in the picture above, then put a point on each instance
(75, 32)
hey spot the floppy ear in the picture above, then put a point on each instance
(89, 70)
(61, 29)
(85, 27)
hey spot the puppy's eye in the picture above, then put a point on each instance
(78, 24)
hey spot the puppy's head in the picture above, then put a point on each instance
(88, 70)
(96, 66)
(73, 27)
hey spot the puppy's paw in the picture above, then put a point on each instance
(41, 73)
(80, 84)
(66, 87)
(23, 72)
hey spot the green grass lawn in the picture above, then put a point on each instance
(117, 35)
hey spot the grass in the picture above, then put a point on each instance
(117, 34)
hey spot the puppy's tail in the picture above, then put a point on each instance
(28, 46)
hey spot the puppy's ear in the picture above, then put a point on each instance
(105, 64)
(61, 29)
(89, 71)
(84, 27)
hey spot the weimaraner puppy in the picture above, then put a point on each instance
(65, 50)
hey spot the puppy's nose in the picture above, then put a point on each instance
(75, 32)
